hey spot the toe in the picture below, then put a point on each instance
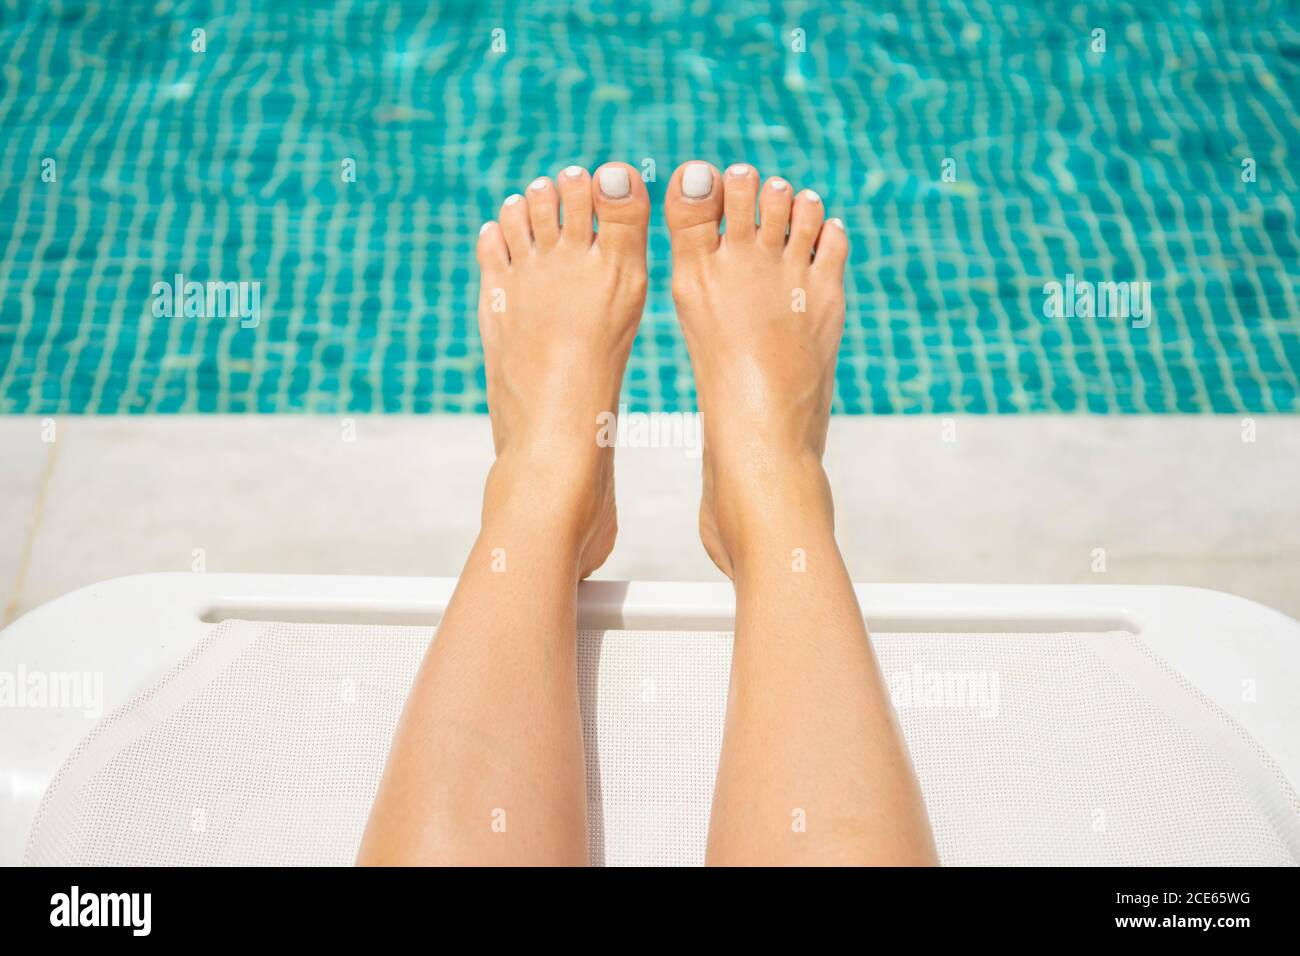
(622, 208)
(493, 256)
(832, 249)
(575, 196)
(515, 226)
(774, 213)
(543, 212)
(694, 208)
(805, 224)
(740, 186)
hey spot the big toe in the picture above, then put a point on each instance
(622, 206)
(694, 208)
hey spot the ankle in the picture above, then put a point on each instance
(768, 505)
(549, 491)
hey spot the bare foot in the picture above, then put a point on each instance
(762, 309)
(558, 310)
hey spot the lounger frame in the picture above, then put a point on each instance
(1246, 657)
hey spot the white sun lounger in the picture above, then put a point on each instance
(245, 718)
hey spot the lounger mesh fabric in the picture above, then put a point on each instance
(265, 746)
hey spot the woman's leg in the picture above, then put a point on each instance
(813, 767)
(487, 763)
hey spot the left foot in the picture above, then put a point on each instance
(558, 309)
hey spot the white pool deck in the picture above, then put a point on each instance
(1024, 499)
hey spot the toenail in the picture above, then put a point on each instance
(512, 199)
(739, 169)
(837, 223)
(539, 183)
(484, 228)
(574, 171)
(697, 181)
(777, 184)
(614, 182)
(811, 196)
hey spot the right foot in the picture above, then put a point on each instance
(762, 311)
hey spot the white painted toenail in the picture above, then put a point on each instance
(811, 196)
(777, 184)
(739, 169)
(697, 181)
(614, 182)
(512, 199)
(484, 228)
(837, 223)
(539, 183)
(574, 171)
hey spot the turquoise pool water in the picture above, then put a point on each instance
(227, 165)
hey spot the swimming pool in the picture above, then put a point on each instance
(978, 151)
